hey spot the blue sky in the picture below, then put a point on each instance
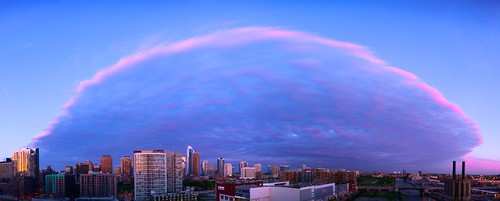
(49, 48)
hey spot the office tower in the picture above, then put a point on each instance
(196, 164)
(302, 167)
(258, 167)
(269, 169)
(150, 174)
(106, 164)
(228, 170)
(210, 170)
(248, 173)
(126, 169)
(98, 185)
(220, 166)
(27, 162)
(68, 169)
(242, 165)
(60, 185)
(189, 161)
(174, 172)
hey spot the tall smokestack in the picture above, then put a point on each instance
(454, 169)
(463, 169)
(462, 183)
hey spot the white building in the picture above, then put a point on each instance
(248, 173)
(228, 170)
(150, 174)
(276, 193)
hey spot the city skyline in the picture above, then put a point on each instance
(262, 82)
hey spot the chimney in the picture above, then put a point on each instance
(454, 169)
(463, 169)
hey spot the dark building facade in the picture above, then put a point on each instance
(98, 185)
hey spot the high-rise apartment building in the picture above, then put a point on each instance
(174, 172)
(27, 162)
(228, 170)
(220, 166)
(196, 164)
(106, 164)
(242, 165)
(126, 169)
(150, 174)
(60, 185)
(98, 185)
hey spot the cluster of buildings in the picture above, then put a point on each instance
(159, 175)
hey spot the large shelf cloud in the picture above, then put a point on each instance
(266, 95)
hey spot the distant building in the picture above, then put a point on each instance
(68, 169)
(204, 167)
(196, 164)
(126, 169)
(275, 171)
(189, 161)
(284, 168)
(96, 168)
(106, 164)
(220, 166)
(228, 170)
(98, 185)
(117, 170)
(83, 168)
(242, 165)
(211, 170)
(291, 176)
(150, 174)
(60, 185)
(248, 173)
(258, 167)
(174, 172)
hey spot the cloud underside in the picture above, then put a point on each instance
(265, 95)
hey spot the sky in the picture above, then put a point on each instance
(374, 86)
